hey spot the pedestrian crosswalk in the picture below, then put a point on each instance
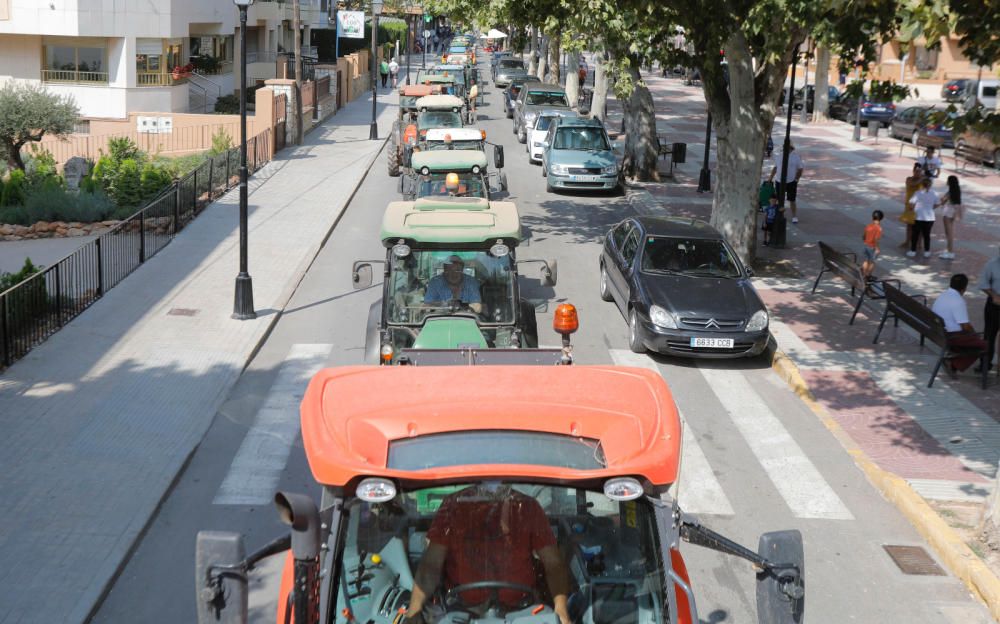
(263, 455)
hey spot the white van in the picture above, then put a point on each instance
(983, 92)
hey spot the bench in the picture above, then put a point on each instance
(923, 142)
(664, 149)
(845, 266)
(974, 154)
(928, 324)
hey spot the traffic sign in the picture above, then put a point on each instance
(427, 34)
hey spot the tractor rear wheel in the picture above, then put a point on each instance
(394, 155)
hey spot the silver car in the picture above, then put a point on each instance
(506, 68)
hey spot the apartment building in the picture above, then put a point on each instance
(121, 56)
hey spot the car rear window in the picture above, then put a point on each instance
(469, 448)
(511, 63)
(547, 98)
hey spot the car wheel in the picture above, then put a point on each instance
(605, 290)
(996, 159)
(522, 136)
(548, 187)
(634, 340)
(892, 130)
(915, 137)
(545, 170)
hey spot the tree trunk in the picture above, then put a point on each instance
(640, 128)
(554, 61)
(822, 101)
(543, 57)
(742, 119)
(989, 526)
(572, 78)
(14, 160)
(533, 42)
(599, 105)
(531, 47)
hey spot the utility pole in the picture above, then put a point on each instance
(297, 27)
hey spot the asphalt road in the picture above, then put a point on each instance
(755, 458)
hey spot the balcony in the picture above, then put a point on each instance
(158, 79)
(74, 76)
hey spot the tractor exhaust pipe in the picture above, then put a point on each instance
(300, 513)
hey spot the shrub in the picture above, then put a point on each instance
(221, 143)
(41, 170)
(228, 105)
(9, 280)
(127, 189)
(179, 166)
(153, 180)
(56, 204)
(123, 148)
(14, 190)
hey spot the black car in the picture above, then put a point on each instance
(954, 90)
(512, 91)
(913, 122)
(832, 96)
(682, 288)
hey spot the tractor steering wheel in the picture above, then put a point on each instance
(453, 599)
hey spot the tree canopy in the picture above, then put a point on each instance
(27, 113)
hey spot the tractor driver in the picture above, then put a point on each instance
(490, 532)
(453, 284)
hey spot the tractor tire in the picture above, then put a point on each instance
(394, 156)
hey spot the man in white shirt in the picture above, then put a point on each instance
(791, 180)
(962, 337)
(989, 283)
(930, 163)
(924, 202)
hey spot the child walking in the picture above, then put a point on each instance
(871, 237)
(770, 216)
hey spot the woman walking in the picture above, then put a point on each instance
(952, 212)
(924, 202)
(909, 216)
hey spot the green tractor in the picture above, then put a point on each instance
(450, 279)
(454, 173)
(404, 129)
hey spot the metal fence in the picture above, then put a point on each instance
(36, 308)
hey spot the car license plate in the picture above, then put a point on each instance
(878, 109)
(712, 343)
(585, 178)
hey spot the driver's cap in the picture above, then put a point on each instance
(451, 182)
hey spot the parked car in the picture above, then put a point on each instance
(505, 69)
(682, 289)
(982, 93)
(846, 108)
(536, 136)
(832, 95)
(577, 155)
(981, 141)
(535, 97)
(512, 91)
(954, 90)
(913, 122)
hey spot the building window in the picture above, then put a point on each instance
(158, 63)
(69, 63)
(924, 59)
(212, 54)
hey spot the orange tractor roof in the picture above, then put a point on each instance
(420, 90)
(350, 416)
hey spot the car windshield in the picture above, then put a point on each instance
(520, 543)
(439, 119)
(432, 282)
(545, 98)
(581, 138)
(469, 185)
(688, 256)
(515, 90)
(543, 122)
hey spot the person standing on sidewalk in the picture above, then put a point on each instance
(383, 70)
(394, 72)
(872, 235)
(791, 180)
(989, 283)
(950, 306)
(951, 213)
(909, 216)
(930, 163)
(924, 202)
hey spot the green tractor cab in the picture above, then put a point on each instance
(428, 174)
(404, 129)
(450, 279)
(439, 111)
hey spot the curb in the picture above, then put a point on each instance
(950, 548)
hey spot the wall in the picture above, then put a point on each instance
(162, 99)
(20, 57)
(110, 18)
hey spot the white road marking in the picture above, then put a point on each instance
(257, 466)
(699, 491)
(798, 481)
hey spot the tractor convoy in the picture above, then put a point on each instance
(466, 474)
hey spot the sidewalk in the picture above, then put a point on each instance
(944, 442)
(99, 419)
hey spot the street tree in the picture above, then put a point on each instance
(27, 113)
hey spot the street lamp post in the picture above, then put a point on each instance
(705, 177)
(409, 45)
(243, 300)
(376, 9)
(788, 132)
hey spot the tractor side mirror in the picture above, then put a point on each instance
(222, 596)
(781, 590)
(498, 156)
(361, 275)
